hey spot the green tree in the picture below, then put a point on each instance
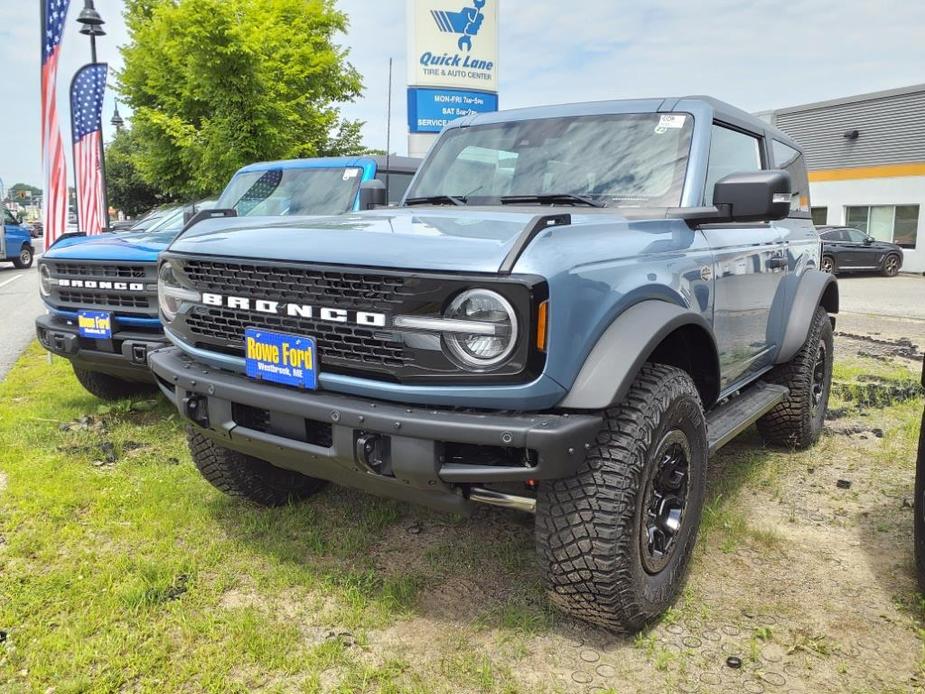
(127, 190)
(20, 192)
(216, 84)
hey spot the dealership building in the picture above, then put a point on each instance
(866, 156)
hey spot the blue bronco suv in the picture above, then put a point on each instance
(101, 291)
(574, 307)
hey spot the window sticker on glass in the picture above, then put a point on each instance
(350, 173)
(670, 121)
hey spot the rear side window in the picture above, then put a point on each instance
(731, 152)
(398, 183)
(793, 162)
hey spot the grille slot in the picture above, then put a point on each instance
(109, 271)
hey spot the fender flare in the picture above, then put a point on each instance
(815, 288)
(629, 341)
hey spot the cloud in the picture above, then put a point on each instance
(758, 55)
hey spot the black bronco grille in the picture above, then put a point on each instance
(345, 345)
(125, 289)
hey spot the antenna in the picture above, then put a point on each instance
(388, 137)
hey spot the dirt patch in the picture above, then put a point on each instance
(881, 348)
(2, 482)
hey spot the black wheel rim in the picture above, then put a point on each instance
(665, 502)
(819, 373)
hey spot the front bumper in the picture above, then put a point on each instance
(326, 435)
(124, 356)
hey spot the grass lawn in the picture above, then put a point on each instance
(122, 570)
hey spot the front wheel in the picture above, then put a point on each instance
(890, 266)
(24, 259)
(615, 539)
(246, 477)
(797, 421)
(107, 387)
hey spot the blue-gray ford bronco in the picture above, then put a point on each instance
(573, 308)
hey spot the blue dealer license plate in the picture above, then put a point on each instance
(279, 358)
(97, 325)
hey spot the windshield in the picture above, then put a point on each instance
(276, 192)
(636, 160)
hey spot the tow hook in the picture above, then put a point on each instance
(372, 452)
(140, 354)
(196, 408)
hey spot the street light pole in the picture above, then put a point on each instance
(92, 26)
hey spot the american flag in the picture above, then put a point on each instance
(87, 91)
(54, 12)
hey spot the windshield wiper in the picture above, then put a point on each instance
(437, 200)
(550, 199)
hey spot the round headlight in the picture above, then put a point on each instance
(45, 280)
(171, 292)
(494, 328)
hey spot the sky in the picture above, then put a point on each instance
(757, 54)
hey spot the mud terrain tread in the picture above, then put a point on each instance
(585, 523)
(790, 424)
(246, 477)
(107, 387)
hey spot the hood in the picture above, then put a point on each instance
(464, 239)
(139, 247)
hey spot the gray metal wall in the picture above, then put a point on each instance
(891, 126)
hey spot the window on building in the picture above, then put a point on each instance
(791, 160)
(894, 223)
(730, 152)
(820, 216)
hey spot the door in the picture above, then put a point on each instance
(6, 224)
(860, 251)
(749, 263)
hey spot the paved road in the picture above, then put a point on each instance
(19, 305)
(888, 308)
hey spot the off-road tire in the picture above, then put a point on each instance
(107, 387)
(588, 526)
(24, 260)
(796, 422)
(246, 477)
(890, 267)
(828, 264)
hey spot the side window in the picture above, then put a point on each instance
(398, 184)
(855, 236)
(8, 217)
(793, 162)
(730, 152)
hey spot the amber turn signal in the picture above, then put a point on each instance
(541, 326)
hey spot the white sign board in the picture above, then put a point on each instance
(453, 43)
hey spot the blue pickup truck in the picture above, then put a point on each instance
(574, 307)
(15, 241)
(101, 291)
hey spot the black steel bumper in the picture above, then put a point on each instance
(124, 356)
(329, 435)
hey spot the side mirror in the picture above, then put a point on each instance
(754, 196)
(19, 218)
(868, 240)
(372, 194)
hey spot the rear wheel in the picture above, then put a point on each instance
(890, 266)
(246, 477)
(615, 539)
(24, 259)
(797, 421)
(828, 264)
(108, 387)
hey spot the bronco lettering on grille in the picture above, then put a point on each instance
(100, 284)
(333, 315)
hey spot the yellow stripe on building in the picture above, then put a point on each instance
(859, 172)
